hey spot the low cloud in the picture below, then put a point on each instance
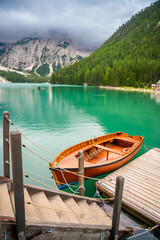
(88, 23)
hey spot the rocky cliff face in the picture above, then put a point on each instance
(40, 56)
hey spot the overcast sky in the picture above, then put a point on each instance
(88, 23)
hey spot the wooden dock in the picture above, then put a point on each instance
(53, 214)
(141, 194)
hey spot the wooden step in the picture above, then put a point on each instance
(5, 203)
(106, 219)
(45, 211)
(73, 206)
(93, 217)
(30, 210)
(63, 212)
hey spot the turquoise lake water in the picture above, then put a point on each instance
(57, 117)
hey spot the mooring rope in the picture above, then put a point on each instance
(145, 147)
(145, 231)
(98, 195)
(27, 176)
(47, 178)
(23, 145)
(76, 191)
(139, 234)
(55, 209)
(37, 175)
(41, 147)
(65, 170)
(36, 160)
(29, 139)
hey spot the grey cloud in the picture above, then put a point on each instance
(87, 22)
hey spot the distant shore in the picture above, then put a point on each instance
(127, 89)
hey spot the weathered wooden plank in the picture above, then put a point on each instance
(6, 157)
(141, 188)
(146, 171)
(92, 216)
(5, 203)
(73, 206)
(81, 172)
(135, 209)
(117, 207)
(43, 207)
(100, 215)
(16, 154)
(138, 182)
(137, 195)
(30, 210)
(136, 204)
(62, 211)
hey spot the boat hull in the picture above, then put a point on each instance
(70, 175)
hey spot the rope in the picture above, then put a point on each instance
(29, 139)
(41, 147)
(68, 184)
(95, 179)
(44, 177)
(65, 170)
(151, 229)
(35, 153)
(27, 176)
(55, 209)
(97, 194)
(146, 230)
(145, 147)
(35, 160)
(38, 175)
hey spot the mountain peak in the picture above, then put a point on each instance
(39, 55)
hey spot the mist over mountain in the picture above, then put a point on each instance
(40, 56)
(130, 57)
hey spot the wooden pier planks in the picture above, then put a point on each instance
(141, 193)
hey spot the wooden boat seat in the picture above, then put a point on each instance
(109, 149)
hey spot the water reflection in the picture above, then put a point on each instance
(156, 96)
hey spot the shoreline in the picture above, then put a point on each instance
(127, 89)
(3, 80)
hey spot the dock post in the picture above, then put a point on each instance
(6, 158)
(81, 172)
(117, 207)
(16, 154)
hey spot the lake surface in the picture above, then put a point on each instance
(57, 117)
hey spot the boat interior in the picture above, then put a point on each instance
(107, 150)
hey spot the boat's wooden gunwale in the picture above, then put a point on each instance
(95, 168)
(90, 172)
(81, 145)
(100, 165)
(89, 144)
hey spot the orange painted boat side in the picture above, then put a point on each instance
(67, 159)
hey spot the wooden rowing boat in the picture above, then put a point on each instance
(101, 155)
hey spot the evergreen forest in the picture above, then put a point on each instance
(19, 78)
(130, 57)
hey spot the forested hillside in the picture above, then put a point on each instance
(19, 78)
(131, 57)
